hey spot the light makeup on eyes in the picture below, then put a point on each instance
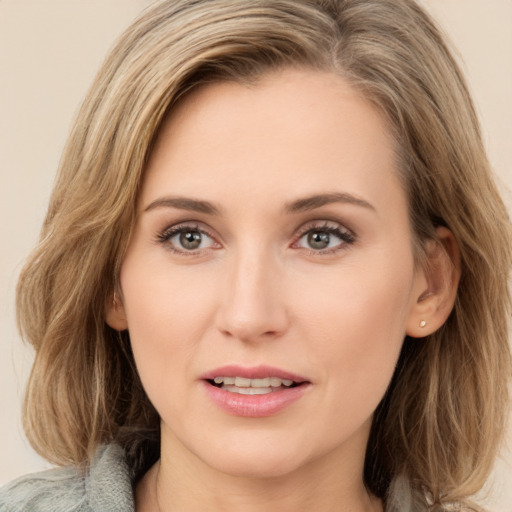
(187, 239)
(320, 238)
(324, 238)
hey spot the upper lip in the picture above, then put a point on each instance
(254, 372)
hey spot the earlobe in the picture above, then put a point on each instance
(436, 286)
(115, 315)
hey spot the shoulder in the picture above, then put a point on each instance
(402, 497)
(105, 485)
(57, 489)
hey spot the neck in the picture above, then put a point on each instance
(179, 481)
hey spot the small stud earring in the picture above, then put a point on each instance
(423, 323)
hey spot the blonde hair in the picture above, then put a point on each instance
(438, 428)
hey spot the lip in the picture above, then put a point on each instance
(255, 372)
(254, 406)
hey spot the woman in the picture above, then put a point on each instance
(273, 272)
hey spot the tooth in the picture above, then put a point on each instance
(255, 391)
(275, 382)
(241, 382)
(224, 380)
(247, 391)
(260, 383)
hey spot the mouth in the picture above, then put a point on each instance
(258, 380)
(254, 392)
(247, 386)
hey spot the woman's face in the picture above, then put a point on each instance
(272, 245)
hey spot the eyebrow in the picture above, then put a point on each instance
(316, 201)
(300, 205)
(185, 203)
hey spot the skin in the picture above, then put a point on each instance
(256, 291)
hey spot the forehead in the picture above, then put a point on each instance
(291, 133)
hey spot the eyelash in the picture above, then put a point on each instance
(346, 237)
(165, 236)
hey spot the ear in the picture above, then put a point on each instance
(115, 315)
(435, 287)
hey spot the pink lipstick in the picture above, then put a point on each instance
(254, 392)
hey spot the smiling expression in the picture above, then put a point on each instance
(272, 242)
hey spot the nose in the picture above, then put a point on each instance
(252, 304)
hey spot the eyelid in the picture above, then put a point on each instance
(324, 224)
(347, 236)
(164, 236)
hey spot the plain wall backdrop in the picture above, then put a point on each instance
(50, 51)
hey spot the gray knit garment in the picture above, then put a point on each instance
(104, 487)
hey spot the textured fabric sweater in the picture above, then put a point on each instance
(105, 486)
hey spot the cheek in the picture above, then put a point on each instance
(358, 321)
(166, 320)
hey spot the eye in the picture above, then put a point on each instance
(186, 239)
(325, 239)
(189, 240)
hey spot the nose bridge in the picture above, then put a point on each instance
(252, 304)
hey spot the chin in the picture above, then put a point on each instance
(258, 467)
(255, 457)
(251, 454)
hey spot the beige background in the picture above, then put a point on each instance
(49, 52)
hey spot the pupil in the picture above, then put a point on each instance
(190, 239)
(318, 239)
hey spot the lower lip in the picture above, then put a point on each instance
(255, 406)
